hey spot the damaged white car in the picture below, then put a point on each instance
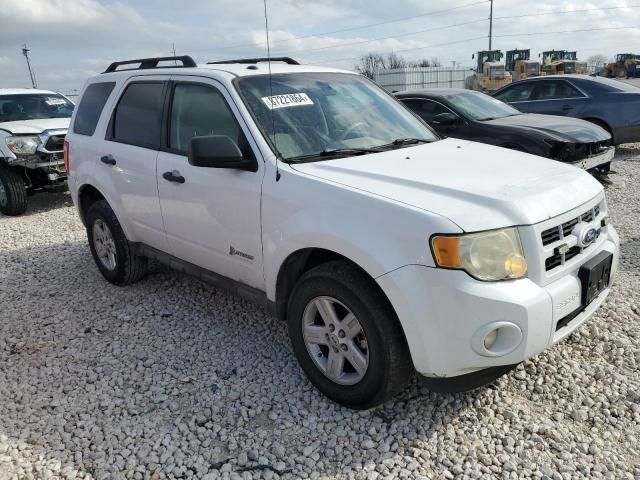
(33, 125)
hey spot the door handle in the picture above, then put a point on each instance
(565, 107)
(173, 176)
(108, 159)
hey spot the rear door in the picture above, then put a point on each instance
(557, 97)
(518, 95)
(212, 215)
(129, 155)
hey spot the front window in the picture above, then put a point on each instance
(34, 106)
(313, 116)
(533, 67)
(481, 107)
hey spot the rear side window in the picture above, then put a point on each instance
(137, 119)
(556, 89)
(90, 108)
(517, 93)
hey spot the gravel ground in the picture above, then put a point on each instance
(170, 378)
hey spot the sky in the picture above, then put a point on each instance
(71, 40)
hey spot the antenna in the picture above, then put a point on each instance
(273, 120)
(173, 46)
(32, 75)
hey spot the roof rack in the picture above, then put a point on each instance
(145, 63)
(287, 60)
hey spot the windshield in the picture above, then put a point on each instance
(304, 115)
(479, 106)
(33, 106)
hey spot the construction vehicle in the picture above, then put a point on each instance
(521, 67)
(562, 62)
(626, 65)
(490, 74)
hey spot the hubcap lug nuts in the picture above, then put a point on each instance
(331, 328)
(341, 334)
(344, 347)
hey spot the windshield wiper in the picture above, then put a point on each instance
(402, 142)
(333, 152)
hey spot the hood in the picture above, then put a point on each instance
(556, 127)
(26, 127)
(477, 186)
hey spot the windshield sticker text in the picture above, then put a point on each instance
(287, 100)
(54, 101)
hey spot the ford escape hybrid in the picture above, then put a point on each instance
(314, 193)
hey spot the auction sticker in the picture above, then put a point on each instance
(287, 100)
(54, 101)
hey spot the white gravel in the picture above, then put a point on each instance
(170, 378)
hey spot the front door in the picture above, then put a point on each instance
(211, 215)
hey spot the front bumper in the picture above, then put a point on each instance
(597, 160)
(446, 313)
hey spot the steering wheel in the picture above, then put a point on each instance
(351, 129)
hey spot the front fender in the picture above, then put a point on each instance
(376, 233)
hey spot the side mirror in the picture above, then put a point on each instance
(218, 151)
(445, 119)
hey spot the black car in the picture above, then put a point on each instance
(471, 115)
(612, 104)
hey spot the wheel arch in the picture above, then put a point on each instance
(301, 261)
(87, 195)
(601, 123)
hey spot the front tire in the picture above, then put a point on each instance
(110, 249)
(346, 336)
(13, 194)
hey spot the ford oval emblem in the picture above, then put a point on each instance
(589, 235)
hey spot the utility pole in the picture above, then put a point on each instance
(25, 52)
(490, 22)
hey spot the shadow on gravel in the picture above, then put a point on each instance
(45, 201)
(171, 376)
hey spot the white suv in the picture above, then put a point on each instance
(317, 195)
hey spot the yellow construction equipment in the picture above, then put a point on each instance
(626, 65)
(490, 74)
(562, 62)
(521, 67)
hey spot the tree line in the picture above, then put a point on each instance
(373, 61)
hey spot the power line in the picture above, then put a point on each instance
(407, 49)
(565, 11)
(417, 32)
(360, 42)
(361, 27)
(532, 34)
(504, 35)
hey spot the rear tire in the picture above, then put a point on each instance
(13, 193)
(372, 356)
(112, 252)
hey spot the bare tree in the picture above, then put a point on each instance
(597, 60)
(394, 60)
(421, 63)
(435, 62)
(369, 63)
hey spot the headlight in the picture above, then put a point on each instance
(489, 256)
(23, 145)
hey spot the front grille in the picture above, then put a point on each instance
(559, 233)
(55, 143)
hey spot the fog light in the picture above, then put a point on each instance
(490, 339)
